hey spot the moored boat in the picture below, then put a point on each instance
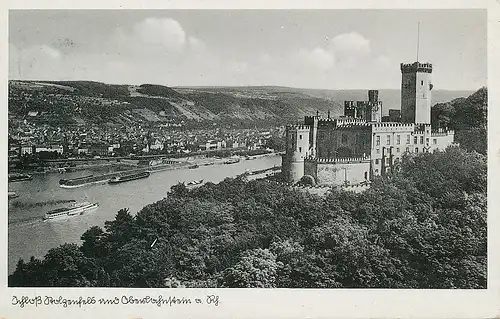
(72, 210)
(194, 183)
(129, 177)
(12, 195)
(232, 161)
(17, 177)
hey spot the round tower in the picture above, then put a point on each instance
(297, 149)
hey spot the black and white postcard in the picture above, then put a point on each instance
(250, 160)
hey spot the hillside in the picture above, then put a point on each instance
(468, 117)
(79, 102)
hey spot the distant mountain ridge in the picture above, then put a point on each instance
(72, 102)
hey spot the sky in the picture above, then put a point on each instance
(327, 49)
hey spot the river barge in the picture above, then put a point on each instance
(84, 180)
(129, 177)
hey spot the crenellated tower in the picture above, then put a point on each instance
(416, 89)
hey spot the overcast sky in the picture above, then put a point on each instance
(330, 49)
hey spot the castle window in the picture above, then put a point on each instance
(388, 142)
(427, 141)
(407, 150)
(421, 140)
(415, 140)
(378, 150)
(378, 140)
(407, 139)
(434, 141)
(300, 136)
(398, 139)
(300, 149)
(376, 161)
(421, 82)
(397, 150)
(416, 149)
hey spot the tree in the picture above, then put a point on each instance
(67, 266)
(257, 268)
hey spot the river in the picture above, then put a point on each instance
(30, 236)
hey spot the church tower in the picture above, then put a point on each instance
(416, 89)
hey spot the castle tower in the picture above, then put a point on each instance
(416, 93)
(350, 109)
(374, 111)
(297, 149)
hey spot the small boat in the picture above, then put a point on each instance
(19, 177)
(129, 177)
(194, 183)
(12, 195)
(232, 161)
(72, 210)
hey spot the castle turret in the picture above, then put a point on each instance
(416, 93)
(350, 109)
(297, 149)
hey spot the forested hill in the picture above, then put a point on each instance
(468, 117)
(80, 102)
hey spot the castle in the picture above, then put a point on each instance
(358, 146)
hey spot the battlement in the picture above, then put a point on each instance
(327, 119)
(338, 160)
(416, 67)
(361, 126)
(351, 121)
(442, 132)
(391, 126)
(298, 127)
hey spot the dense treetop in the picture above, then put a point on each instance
(468, 117)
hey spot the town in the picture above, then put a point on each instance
(31, 141)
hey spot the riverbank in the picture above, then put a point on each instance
(174, 164)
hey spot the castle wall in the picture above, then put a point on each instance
(354, 141)
(441, 139)
(389, 142)
(338, 173)
(311, 168)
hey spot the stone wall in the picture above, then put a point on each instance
(338, 173)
